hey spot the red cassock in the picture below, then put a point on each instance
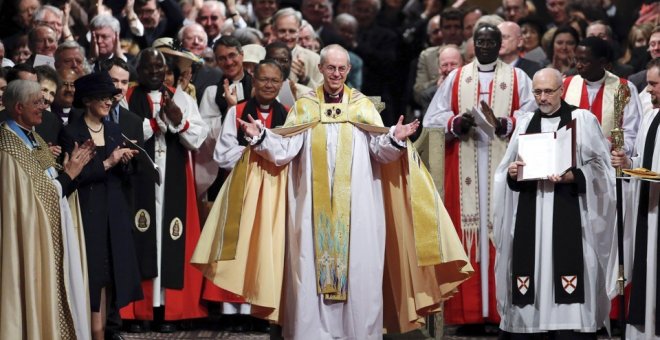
(465, 306)
(184, 303)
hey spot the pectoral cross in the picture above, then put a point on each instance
(159, 150)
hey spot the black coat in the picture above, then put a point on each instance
(203, 78)
(111, 258)
(528, 66)
(131, 126)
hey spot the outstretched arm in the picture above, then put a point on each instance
(278, 149)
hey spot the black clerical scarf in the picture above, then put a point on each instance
(567, 255)
(638, 292)
(220, 98)
(174, 205)
(278, 111)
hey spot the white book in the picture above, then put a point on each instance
(546, 153)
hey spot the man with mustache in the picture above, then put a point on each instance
(555, 267)
(63, 104)
(471, 158)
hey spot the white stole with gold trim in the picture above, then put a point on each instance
(501, 99)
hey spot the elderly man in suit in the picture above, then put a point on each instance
(511, 43)
(304, 68)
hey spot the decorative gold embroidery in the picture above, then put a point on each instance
(176, 228)
(35, 163)
(142, 220)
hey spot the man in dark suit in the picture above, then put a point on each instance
(511, 44)
(318, 14)
(155, 25)
(377, 47)
(50, 125)
(131, 127)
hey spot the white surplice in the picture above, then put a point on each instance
(597, 211)
(631, 112)
(438, 114)
(206, 168)
(191, 139)
(227, 150)
(306, 315)
(638, 332)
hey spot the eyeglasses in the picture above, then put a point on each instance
(271, 81)
(333, 69)
(485, 43)
(41, 102)
(68, 84)
(547, 92)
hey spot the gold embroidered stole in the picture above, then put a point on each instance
(611, 83)
(35, 162)
(254, 267)
(331, 200)
(501, 99)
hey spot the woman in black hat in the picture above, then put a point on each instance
(114, 276)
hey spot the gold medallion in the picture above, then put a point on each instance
(142, 220)
(176, 228)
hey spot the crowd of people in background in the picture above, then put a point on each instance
(139, 105)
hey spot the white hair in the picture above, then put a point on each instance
(334, 47)
(105, 20)
(221, 5)
(19, 91)
(41, 12)
(284, 12)
(183, 29)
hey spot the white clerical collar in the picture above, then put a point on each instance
(264, 108)
(239, 79)
(490, 67)
(597, 82)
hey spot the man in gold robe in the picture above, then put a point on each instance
(368, 242)
(43, 292)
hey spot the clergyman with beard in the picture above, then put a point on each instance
(553, 236)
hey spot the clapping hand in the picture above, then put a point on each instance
(250, 128)
(401, 132)
(171, 110)
(80, 156)
(123, 155)
(230, 94)
(465, 123)
(298, 68)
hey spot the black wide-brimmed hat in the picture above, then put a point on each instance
(93, 85)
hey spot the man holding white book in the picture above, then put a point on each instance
(555, 267)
